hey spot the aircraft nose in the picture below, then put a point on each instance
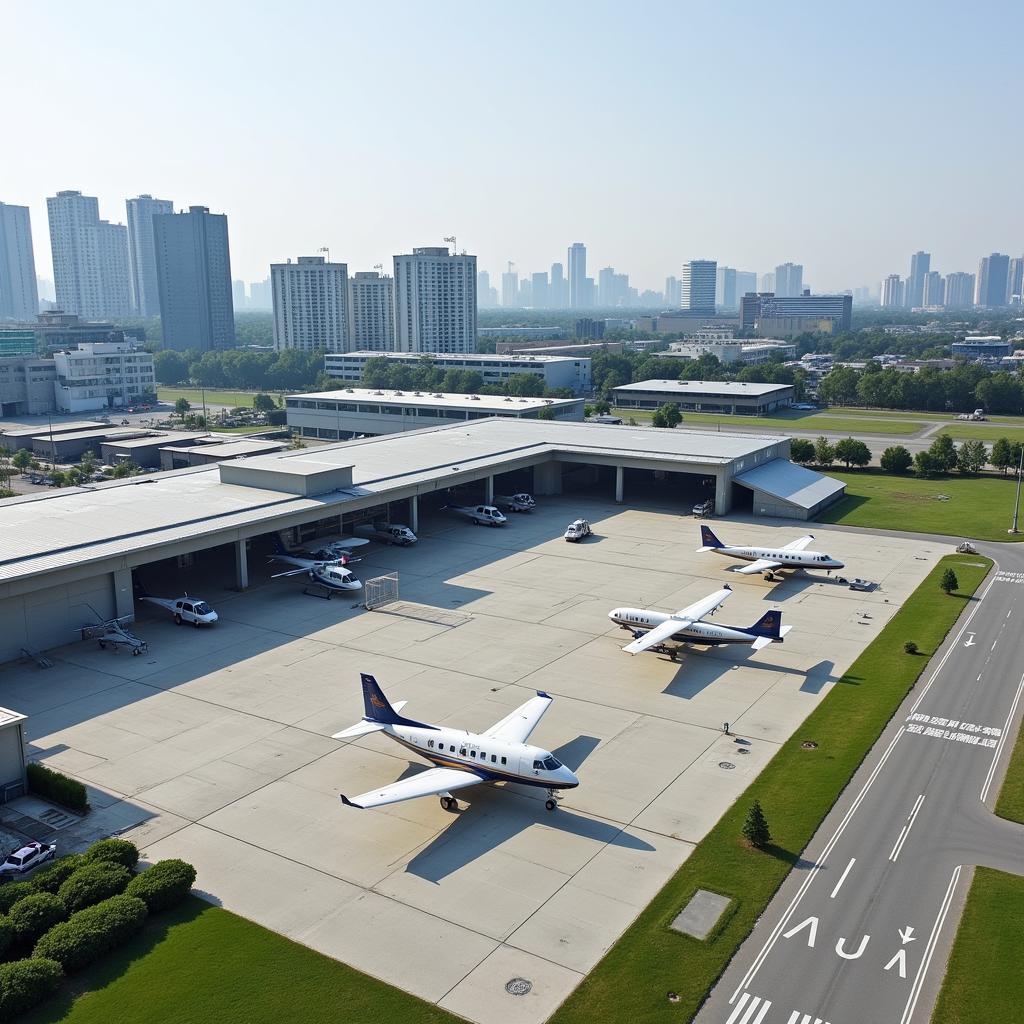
(570, 777)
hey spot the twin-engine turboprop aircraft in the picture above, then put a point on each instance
(656, 629)
(768, 560)
(461, 759)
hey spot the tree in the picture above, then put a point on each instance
(182, 406)
(21, 459)
(949, 582)
(87, 463)
(852, 452)
(824, 452)
(943, 451)
(263, 403)
(801, 450)
(547, 413)
(125, 469)
(755, 828)
(896, 459)
(170, 367)
(839, 387)
(910, 647)
(971, 457)
(925, 465)
(1001, 457)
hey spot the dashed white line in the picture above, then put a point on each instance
(1002, 740)
(906, 829)
(756, 1010)
(839, 884)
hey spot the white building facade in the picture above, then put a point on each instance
(372, 311)
(435, 301)
(102, 375)
(19, 297)
(310, 305)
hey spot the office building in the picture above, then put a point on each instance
(673, 292)
(993, 272)
(90, 258)
(577, 264)
(193, 270)
(539, 288)
(19, 297)
(731, 398)
(509, 288)
(1015, 282)
(767, 283)
(26, 388)
(372, 311)
(558, 287)
(590, 329)
(982, 346)
(698, 287)
(934, 290)
(920, 265)
(746, 281)
(238, 299)
(789, 280)
(725, 288)
(102, 375)
(893, 292)
(486, 296)
(959, 291)
(773, 316)
(259, 294)
(55, 329)
(310, 305)
(435, 301)
(142, 252)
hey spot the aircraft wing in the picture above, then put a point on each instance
(705, 605)
(516, 727)
(799, 545)
(350, 542)
(302, 563)
(658, 635)
(761, 565)
(161, 602)
(428, 783)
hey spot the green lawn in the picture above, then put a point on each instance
(242, 430)
(978, 507)
(983, 431)
(1011, 797)
(213, 397)
(201, 964)
(796, 790)
(849, 410)
(984, 980)
(788, 422)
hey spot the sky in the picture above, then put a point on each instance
(840, 136)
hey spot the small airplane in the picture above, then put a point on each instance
(112, 633)
(767, 560)
(331, 575)
(481, 515)
(185, 609)
(461, 759)
(339, 550)
(654, 629)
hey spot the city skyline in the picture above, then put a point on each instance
(647, 214)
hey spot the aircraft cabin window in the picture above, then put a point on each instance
(462, 752)
(494, 758)
(452, 749)
(504, 761)
(472, 753)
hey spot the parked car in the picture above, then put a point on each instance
(859, 584)
(521, 502)
(577, 530)
(705, 508)
(386, 533)
(27, 857)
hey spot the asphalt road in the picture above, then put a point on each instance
(861, 930)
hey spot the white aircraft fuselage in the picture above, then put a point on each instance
(787, 559)
(707, 634)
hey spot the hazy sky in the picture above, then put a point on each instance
(842, 136)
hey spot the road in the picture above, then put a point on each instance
(861, 930)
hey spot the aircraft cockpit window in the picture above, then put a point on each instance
(202, 608)
(537, 765)
(551, 763)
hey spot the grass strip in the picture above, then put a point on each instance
(983, 432)
(797, 789)
(984, 981)
(214, 396)
(199, 963)
(1010, 804)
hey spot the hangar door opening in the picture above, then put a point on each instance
(667, 487)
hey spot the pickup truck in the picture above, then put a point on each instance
(521, 502)
(386, 533)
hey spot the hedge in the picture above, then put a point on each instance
(93, 883)
(51, 878)
(24, 983)
(87, 935)
(6, 935)
(12, 892)
(163, 885)
(55, 786)
(35, 915)
(121, 851)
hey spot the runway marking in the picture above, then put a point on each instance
(1002, 740)
(994, 642)
(839, 884)
(796, 1018)
(751, 1009)
(811, 935)
(777, 931)
(906, 829)
(841, 948)
(915, 988)
(899, 959)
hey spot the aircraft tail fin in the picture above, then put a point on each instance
(769, 626)
(364, 728)
(709, 542)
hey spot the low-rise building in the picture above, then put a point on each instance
(364, 412)
(55, 329)
(102, 375)
(26, 385)
(982, 346)
(733, 398)
(731, 350)
(182, 456)
(526, 333)
(145, 451)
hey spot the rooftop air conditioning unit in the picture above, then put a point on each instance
(378, 392)
(437, 394)
(474, 398)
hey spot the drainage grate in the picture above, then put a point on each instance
(518, 986)
(727, 765)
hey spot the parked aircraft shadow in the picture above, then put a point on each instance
(820, 674)
(576, 751)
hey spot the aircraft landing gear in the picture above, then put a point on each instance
(448, 802)
(552, 801)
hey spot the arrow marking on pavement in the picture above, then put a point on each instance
(970, 641)
(841, 948)
(907, 934)
(811, 935)
(900, 960)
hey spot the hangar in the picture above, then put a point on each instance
(67, 557)
(734, 398)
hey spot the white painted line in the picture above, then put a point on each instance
(978, 680)
(839, 884)
(765, 1007)
(739, 1009)
(953, 645)
(812, 874)
(994, 642)
(915, 989)
(793, 1017)
(906, 829)
(1002, 740)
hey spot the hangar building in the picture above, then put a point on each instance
(729, 397)
(68, 556)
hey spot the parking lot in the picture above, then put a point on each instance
(215, 746)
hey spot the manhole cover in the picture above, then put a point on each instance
(727, 765)
(673, 997)
(518, 986)
(743, 750)
(809, 745)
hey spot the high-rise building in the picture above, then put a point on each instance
(607, 289)
(959, 291)
(698, 287)
(238, 298)
(90, 258)
(578, 276)
(934, 290)
(1015, 282)
(993, 272)
(725, 288)
(19, 297)
(893, 292)
(525, 293)
(435, 301)
(372, 311)
(142, 253)
(920, 265)
(746, 281)
(539, 287)
(673, 292)
(310, 305)
(510, 288)
(193, 273)
(789, 280)
(486, 296)
(259, 294)
(558, 287)
(767, 283)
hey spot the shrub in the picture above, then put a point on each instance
(57, 787)
(12, 892)
(51, 878)
(755, 828)
(119, 850)
(93, 883)
(35, 915)
(24, 983)
(910, 647)
(6, 935)
(163, 885)
(87, 935)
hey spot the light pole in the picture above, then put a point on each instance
(1016, 500)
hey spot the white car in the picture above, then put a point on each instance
(480, 515)
(28, 857)
(521, 502)
(577, 530)
(199, 613)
